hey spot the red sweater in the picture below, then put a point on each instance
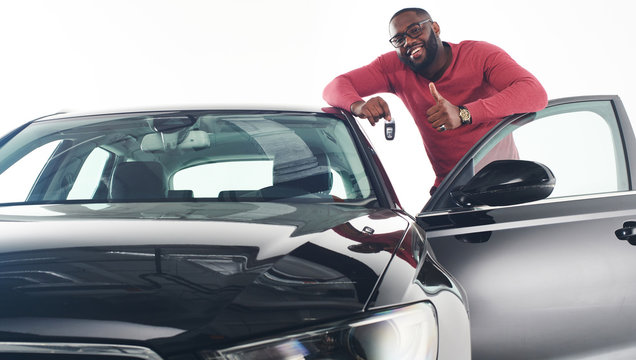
(481, 77)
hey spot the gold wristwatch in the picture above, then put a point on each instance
(464, 115)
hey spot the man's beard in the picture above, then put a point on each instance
(430, 47)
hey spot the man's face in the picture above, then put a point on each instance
(418, 53)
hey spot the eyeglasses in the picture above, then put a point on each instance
(413, 31)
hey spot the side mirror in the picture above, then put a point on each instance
(506, 182)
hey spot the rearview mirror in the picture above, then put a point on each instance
(172, 123)
(506, 182)
(193, 140)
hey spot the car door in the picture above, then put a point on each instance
(548, 278)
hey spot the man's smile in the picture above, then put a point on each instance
(415, 51)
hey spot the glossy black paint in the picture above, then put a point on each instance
(199, 275)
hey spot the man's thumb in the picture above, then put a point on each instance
(435, 93)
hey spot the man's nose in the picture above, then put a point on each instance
(408, 40)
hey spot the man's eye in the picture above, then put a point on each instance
(416, 31)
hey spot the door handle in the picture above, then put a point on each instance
(627, 232)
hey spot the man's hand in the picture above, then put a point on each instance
(443, 112)
(373, 110)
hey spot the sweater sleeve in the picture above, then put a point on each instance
(517, 90)
(352, 86)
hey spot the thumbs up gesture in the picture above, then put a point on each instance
(443, 115)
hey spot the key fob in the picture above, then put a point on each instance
(389, 129)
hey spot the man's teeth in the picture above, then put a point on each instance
(415, 50)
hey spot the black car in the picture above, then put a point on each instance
(258, 234)
(213, 234)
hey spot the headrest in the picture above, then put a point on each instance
(138, 180)
(311, 174)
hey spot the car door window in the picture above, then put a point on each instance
(579, 142)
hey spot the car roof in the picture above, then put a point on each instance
(215, 107)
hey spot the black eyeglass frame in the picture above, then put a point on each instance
(414, 30)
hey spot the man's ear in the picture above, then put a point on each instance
(436, 28)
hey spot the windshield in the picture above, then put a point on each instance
(184, 156)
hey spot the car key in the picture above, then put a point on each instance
(389, 129)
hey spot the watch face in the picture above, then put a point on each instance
(464, 114)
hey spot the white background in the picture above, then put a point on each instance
(86, 54)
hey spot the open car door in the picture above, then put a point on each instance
(536, 223)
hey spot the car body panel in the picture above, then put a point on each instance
(562, 280)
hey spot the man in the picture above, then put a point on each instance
(455, 92)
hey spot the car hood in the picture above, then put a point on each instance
(181, 272)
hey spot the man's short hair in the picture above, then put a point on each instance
(417, 11)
